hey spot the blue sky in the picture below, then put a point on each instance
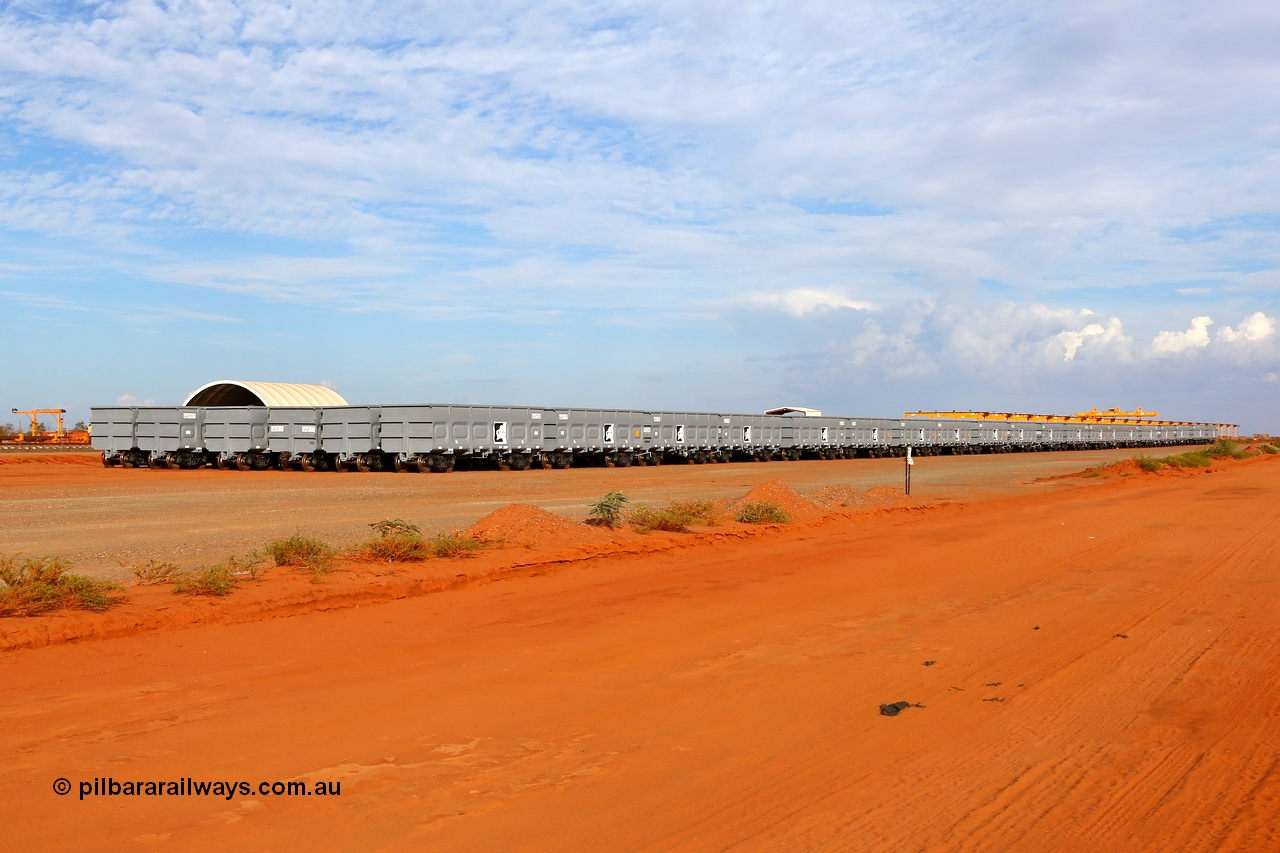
(860, 207)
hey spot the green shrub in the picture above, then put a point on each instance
(646, 519)
(394, 527)
(308, 555)
(1194, 459)
(1224, 448)
(676, 517)
(395, 548)
(456, 544)
(762, 512)
(37, 585)
(206, 580)
(704, 513)
(1146, 463)
(397, 541)
(607, 511)
(253, 565)
(155, 571)
(1269, 448)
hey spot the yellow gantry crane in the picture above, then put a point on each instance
(1093, 416)
(58, 436)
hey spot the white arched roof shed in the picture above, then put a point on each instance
(231, 392)
(797, 410)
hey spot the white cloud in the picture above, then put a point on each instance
(1256, 327)
(1112, 332)
(1195, 337)
(926, 178)
(801, 301)
(131, 400)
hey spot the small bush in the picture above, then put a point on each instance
(1195, 459)
(676, 517)
(762, 512)
(253, 565)
(299, 550)
(395, 548)
(394, 527)
(1224, 449)
(704, 513)
(206, 580)
(40, 584)
(456, 544)
(397, 541)
(309, 555)
(1269, 448)
(1146, 463)
(607, 511)
(155, 572)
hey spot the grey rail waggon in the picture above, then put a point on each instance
(258, 426)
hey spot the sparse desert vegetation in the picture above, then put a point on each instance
(33, 585)
(676, 517)
(762, 512)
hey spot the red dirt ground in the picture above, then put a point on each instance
(1103, 678)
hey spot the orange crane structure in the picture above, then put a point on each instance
(1093, 416)
(59, 436)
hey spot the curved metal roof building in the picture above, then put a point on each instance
(232, 392)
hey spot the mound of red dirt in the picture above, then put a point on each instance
(521, 525)
(773, 491)
(1122, 469)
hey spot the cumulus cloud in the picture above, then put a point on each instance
(801, 301)
(1195, 337)
(1100, 334)
(911, 188)
(1256, 327)
(926, 142)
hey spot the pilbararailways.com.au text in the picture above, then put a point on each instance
(105, 786)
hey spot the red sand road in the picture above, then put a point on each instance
(723, 695)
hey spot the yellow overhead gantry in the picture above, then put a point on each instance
(1093, 416)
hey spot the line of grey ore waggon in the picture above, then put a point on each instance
(441, 437)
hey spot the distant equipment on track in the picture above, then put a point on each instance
(254, 432)
(59, 436)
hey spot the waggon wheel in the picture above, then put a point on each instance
(285, 462)
(402, 465)
(109, 462)
(363, 463)
(243, 462)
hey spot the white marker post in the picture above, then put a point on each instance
(910, 462)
